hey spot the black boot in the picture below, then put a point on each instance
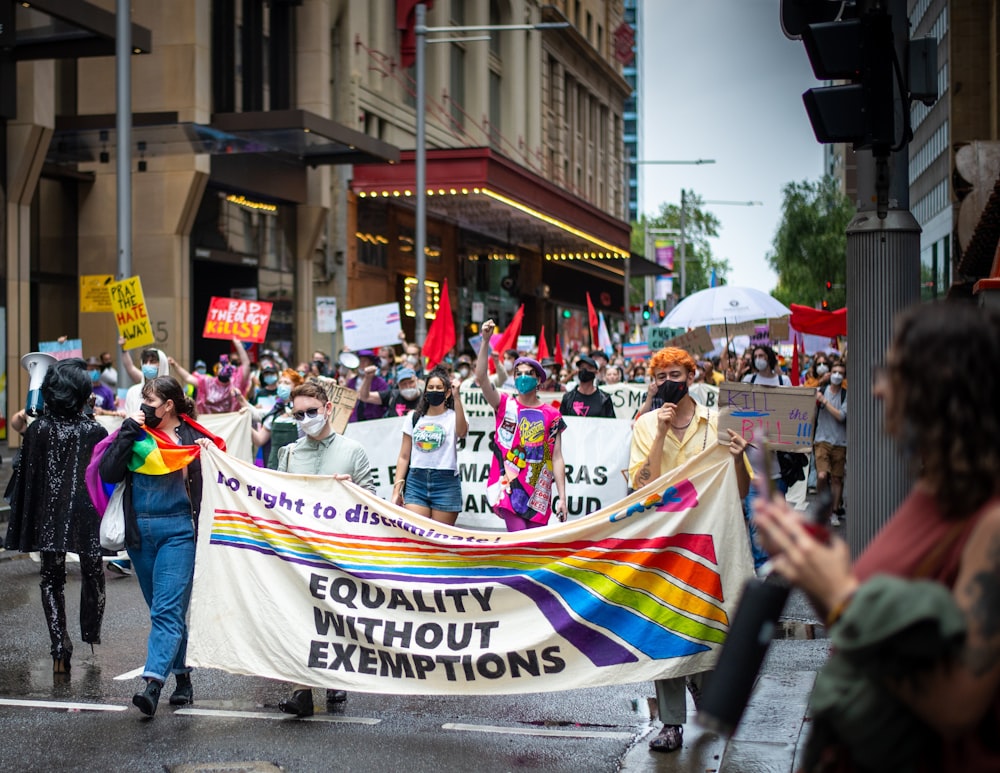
(184, 693)
(146, 700)
(335, 696)
(92, 598)
(53, 580)
(300, 703)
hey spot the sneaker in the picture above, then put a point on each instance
(124, 568)
(835, 520)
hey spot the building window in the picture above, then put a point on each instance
(456, 94)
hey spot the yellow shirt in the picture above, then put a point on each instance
(702, 432)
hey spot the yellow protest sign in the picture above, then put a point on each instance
(129, 307)
(94, 292)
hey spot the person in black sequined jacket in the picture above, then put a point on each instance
(51, 511)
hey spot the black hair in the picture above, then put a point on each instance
(169, 388)
(66, 387)
(149, 355)
(449, 400)
(772, 358)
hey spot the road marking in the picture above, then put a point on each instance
(535, 731)
(130, 674)
(273, 716)
(64, 705)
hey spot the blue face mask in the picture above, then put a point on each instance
(94, 375)
(270, 378)
(284, 391)
(525, 384)
(150, 371)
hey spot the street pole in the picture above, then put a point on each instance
(683, 245)
(123, 157)
(883, 277)
(420, 236)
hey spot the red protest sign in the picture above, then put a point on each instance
(244, 319)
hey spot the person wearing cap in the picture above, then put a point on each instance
(601, 359)
(586, 399)
(364, 411)
(551, 382)
(394, 401)
(528, 470)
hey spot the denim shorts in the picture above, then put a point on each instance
(436, 489)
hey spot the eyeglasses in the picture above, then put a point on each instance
(301, 415)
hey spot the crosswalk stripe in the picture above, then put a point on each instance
(540, 731)
(130, 674)
(64, 705)
(273, 716)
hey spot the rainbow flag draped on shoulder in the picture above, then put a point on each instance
(375, 598)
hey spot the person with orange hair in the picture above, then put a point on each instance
(674, 431)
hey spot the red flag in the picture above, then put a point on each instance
(509, 338)
(592, 318)
(795, 365)
(802, 348)
(558, 353)
(441, 336)
(543, 348)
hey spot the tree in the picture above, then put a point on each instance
(810, 245)
(699, 227)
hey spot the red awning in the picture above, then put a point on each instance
(806, 319)
(486, 193)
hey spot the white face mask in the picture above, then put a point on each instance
(836, 378)
(463, 372)
(760, 363)
(410, 394)
(508, 365)
(822, 369)
(313, 426)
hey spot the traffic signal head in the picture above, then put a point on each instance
(645, 313)
(859, 51)
(826, 305)
(829, 285)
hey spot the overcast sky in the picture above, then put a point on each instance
(720, 81)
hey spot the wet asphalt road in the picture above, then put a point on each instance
(602, 729)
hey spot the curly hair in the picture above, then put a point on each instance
(66, 387)
(168, 388)
(947, 418)
(669, 357)
(449, 400)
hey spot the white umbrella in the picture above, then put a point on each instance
(724, 305)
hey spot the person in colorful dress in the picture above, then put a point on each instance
(528, 470)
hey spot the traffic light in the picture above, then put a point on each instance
(860, 51)
(826, 305)
(829, 285)
(646, 312)
(662, 314)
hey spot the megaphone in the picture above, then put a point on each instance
(37, 364)
(349, 360)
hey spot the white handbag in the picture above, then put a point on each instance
(113, 522)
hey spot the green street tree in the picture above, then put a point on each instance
(810, 245)
(699, 227)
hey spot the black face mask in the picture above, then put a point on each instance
(672, 391)
(435, 398)
(586, 376)
(151, 420)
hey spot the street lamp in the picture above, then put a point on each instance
(684, 223)
(421, 31)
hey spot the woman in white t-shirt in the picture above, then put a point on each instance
(427, 479)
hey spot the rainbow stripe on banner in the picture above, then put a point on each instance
(371, 596)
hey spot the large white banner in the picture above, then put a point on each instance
(595, 452)
(234, 428)
(315, 581)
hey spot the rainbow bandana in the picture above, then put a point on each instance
(155, 454)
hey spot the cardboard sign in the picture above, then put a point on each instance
(129, 307)
(94, 292)
(236, 317)
(733, 329)
(785, 415)
(62, 350)
(695, 341)
(779, 329)
(371, 327)
(657, 337)
(343, 400)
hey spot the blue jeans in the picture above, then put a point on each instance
(164, 566)
(760, 556)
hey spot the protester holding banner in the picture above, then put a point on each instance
(528, 467)
(320, 451)
(216, 393)
(50, 511)
(156, 456)
(427, 480)
(945, 704)
(662, 440)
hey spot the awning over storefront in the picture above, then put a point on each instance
(294, 136)
(68, 29)
(485, 193)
